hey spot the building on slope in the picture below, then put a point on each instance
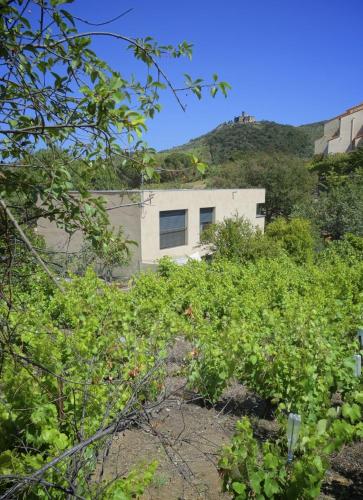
(343, 133)
(164, 222)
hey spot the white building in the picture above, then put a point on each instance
(164, 222)
(343, 133)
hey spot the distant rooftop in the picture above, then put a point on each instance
(349, 111)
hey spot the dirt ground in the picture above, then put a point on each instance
(184, 436)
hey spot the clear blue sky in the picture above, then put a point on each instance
(290, 61)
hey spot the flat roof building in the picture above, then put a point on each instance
(164, 222)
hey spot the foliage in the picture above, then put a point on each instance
(288, 329)
(178, 166)
(72, 360)
(336, 169)
(112, 254)
(336, 211)
(58, 95)
(349, 249)
(295, 237)
(263, 154)
(237, 240)
(271, 137)
(251, 470)
(338, 207)
(17, 264)
(133, 486)
(232, 141)
(54, 399)
(287, 180)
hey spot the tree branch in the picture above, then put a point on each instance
(28, 244)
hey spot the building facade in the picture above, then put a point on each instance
(164, 222)
(343, 133)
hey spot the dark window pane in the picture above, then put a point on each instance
(206, 217)
(172, 228)
(172, 239)
(260, 210)
(171, 220)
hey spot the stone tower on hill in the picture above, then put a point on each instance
(244, 118)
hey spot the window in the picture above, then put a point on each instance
(173, 228)
(260, 210)
(206, 218)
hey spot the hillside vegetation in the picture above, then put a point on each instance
(233, 141)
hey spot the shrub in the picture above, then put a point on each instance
(236, 239)
(294, 236)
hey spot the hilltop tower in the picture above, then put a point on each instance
(244, 118)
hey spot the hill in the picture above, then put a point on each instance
(232, 141)
(243, 155)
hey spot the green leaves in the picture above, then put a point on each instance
(55, 3)
(53, 437)
(196, 86)
(240, 489)
(75, 101)
(283, 329)
(224, 87)
(352, 412)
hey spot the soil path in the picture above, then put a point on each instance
(185, 436)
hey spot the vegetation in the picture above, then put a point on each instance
(81, 359)
(262, 154)
(287, 180)
(289, 331)
(338, 207)
(69, 121)
(295, 238)
(237, 240)
(59, 96)
(235, 141)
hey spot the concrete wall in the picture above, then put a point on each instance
(330, 129)
(350, 125)
(126, 217)
(141, 222)
(226, 202)
(345, 127)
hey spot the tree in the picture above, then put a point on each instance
(178, 166)
(105, 259)
(287, 180)
(56, 93)
(64, 113)
(339, 210)
(333, 170)
(338, 206)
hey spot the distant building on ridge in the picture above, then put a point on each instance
(244, 118)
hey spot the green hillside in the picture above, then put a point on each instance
(261, 154)
(232, 141)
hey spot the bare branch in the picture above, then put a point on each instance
(28, 244)
(104, 22)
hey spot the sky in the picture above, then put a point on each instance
(288, 61)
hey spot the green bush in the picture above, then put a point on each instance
(237, 240)
(294, 236)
